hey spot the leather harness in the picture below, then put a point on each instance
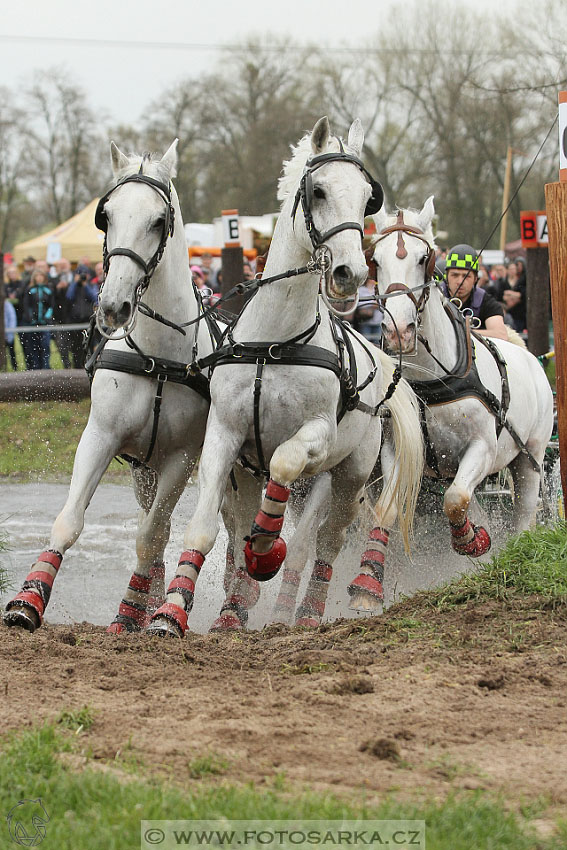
(464, 382)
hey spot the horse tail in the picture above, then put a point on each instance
(514, 337)
(409, 450)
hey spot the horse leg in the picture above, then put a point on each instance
(157, 496)
(219, 453)
(367, 589)
(300, 545)
(526, 492)
(94, 452)
(466, 538)
(347, 488)
(242, 591)
(265, 550)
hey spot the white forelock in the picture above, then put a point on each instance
(293, 168)
(411, 217)
(152, 167)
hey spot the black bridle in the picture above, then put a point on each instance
(101, 221)
(305, 194)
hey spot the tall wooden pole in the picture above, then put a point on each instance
(556, 203)
(538, 303)
(506, 198)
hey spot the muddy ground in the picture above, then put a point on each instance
(414, 702)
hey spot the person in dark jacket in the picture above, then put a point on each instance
(38, 310)
(82, 298)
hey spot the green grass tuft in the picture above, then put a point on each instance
(530, 563)
(79, 720)
(102, 811)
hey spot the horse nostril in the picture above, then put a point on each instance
(124, 312)
(343, 275)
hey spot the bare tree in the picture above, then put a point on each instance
(67, 144)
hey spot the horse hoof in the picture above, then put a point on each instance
(308, 622)
(263, 566)
(228, 621)
(163, 627)
(366, 603)
(23, 617)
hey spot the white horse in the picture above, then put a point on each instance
(142, 368)
(467, 441)
(284, 377)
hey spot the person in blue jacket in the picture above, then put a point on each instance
(38, 310)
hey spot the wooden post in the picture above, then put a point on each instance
(538, 300)
(556, 202)
(232, 258)
(505, 199)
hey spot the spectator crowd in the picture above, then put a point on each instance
(44, 300)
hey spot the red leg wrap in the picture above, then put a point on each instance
(36, 589)
(308, 622)
(369, 584)
(263, 566)
(227, 621)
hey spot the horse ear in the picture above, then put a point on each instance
(169, 159)
(118, 160)
(356, 136)
(425, 217)
(380, 219)
(320, 135)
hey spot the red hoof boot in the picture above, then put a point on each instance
(116, 629)
(369, 585)
(227, 621)
(169, 620)
(265, 565)
(479, 545)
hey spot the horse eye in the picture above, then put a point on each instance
(422, 260)
(319, 193)
(158, 223)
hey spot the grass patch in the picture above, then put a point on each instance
(39, 439)
(212, 764)
(306, 669)
(101, 811)
(532, 563)
(78, 720)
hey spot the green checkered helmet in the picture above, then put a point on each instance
(461, 257)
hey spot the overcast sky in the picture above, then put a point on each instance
(157, 43)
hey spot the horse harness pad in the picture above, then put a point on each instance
(295, 352)
(463, 383)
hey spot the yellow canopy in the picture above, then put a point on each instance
(74, 239)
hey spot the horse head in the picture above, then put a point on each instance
(405, 259)
(137, 215)
(326, 184)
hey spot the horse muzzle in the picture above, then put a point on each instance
(116, 315)
(345, 280)
(400, 338)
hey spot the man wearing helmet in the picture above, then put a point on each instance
(461, 276)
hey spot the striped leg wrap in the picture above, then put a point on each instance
(287, 596)
(469, 539)
(144, 595)
(36, 589)
(181, 591)
(241, 595)
(157, 590)
(270, 517)
(312, 608)
(229, 569)
(371, 576)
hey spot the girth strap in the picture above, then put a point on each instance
(152, 367)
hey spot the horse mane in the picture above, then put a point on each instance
(292, 169)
